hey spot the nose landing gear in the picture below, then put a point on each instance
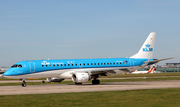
(24, 83)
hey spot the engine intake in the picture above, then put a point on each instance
(80, 77)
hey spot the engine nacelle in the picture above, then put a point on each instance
(81, 77)
(55, 79)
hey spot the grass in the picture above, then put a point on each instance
(102, 81)
(3, 78)
(142, 75)
(127, 98)
(35, 83)
(121, 75)
(107, 80)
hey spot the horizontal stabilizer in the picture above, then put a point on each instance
(156, 61)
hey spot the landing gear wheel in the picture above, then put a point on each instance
(78, 83)
(94, 82)
(43, 81)
(23, 84)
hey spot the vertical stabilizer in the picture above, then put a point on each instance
(147, 48)
(150, 70)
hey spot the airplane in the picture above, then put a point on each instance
(83, 70)
(141, 72)
(151, 70)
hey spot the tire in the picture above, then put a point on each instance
(78, 83)
(98, 82)
(43, 81)
(23, 85)
(94, 82)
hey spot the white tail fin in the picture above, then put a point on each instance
(147, 48)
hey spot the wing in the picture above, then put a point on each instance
(156, 61)
(122, 70)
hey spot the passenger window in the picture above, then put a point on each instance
(76, 64)
(57, 64)
(104, 63)
(101, 63)
(46, 65)
(54, 65)
(42, 65)
(84, 64)
(50, 65)
(87, 63)
(114, 63)
(117, 63)
(61, 64)
(91, 63)
(94, 63)
(120, 62)
(64, 64)
(110, 63)
(72, 64)
(68, 64)
(127, 62)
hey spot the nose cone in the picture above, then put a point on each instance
(8, 73)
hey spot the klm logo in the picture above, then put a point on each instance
(83, 77)
(147, 49)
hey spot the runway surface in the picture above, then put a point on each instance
(66, 88)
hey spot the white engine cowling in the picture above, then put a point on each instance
(80, 77)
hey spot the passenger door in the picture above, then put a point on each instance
(32, 66)
(131, 62)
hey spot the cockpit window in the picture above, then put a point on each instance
(20, 66)
(16, 65)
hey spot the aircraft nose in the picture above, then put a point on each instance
(7, 73)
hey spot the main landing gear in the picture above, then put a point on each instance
(24, 83)
(95, 81)
(78, 83)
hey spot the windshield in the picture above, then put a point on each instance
(16, 65)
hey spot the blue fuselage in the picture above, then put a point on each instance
(41, 66)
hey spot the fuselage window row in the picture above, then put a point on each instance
(87, 64)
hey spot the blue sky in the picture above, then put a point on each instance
(70, 29)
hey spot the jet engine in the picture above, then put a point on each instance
(80, 77)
